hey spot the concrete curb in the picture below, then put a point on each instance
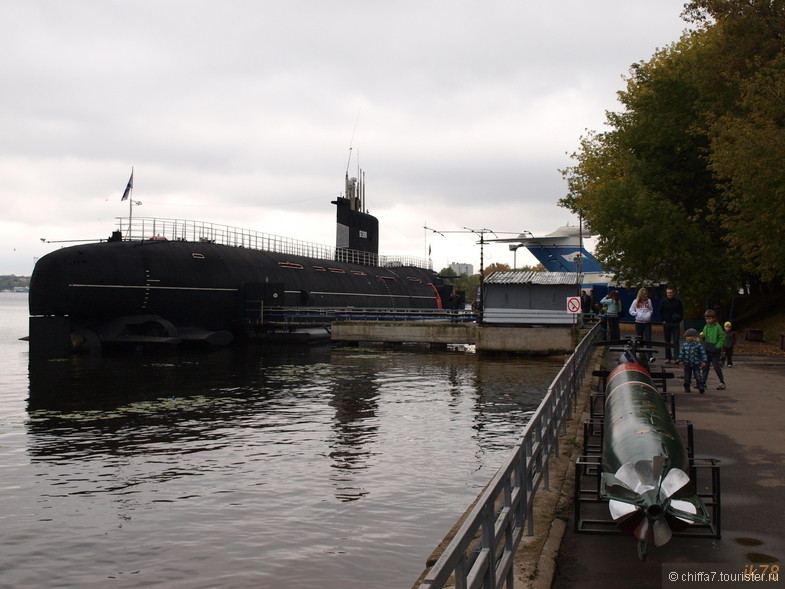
(547, 561)
(546, 565)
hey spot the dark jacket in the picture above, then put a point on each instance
(671, 310)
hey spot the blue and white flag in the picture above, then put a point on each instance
(129, 188)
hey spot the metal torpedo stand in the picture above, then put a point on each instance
(639, 474)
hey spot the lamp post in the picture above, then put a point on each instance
(579, 258)
(481, 233)
(514, 250)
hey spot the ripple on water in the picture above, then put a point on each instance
(248, 468)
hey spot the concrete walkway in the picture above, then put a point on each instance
(744, 428)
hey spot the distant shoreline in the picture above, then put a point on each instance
(13, 283)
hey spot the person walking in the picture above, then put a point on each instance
(727, 348)
(671, 314)
(713, 340)
(642, 310)
(612, 314)
(693, 357)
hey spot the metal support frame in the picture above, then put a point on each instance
(591, 514)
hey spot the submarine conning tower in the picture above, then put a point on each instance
(356, 230)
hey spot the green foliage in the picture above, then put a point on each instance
(10, 281)
(465, 282)
(536, 268)
(495, 267)
(687, 186)
(747, 153)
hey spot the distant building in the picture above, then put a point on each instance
(462, 268)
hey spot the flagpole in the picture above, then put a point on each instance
(131, 204)
(129, 189)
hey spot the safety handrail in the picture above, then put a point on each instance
(482, 552)
(156, 228)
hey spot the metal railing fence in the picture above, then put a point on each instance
(145, 228)
(482, 552)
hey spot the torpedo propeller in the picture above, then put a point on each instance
(645, 501)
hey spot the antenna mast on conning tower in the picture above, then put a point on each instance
(355, 186)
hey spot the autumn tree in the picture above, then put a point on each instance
(686, 185)
(644, 187)
(495, 267)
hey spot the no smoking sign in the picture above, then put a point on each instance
(573, 304)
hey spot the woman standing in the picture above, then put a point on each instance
(642, 309)
(613, 304)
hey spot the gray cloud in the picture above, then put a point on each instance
(243, 111)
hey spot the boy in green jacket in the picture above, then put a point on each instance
(713, 336)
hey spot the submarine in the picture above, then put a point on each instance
(171, 281)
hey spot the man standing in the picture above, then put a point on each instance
(586, 307)
(671, 314)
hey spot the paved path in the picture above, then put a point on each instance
(744, 428)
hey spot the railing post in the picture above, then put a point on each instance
(489, 546)
(529, 485)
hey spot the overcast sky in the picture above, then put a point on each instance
(243, 112)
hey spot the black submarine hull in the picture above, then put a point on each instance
(172, 281)
(181, 287)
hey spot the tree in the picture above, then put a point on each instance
(748, 151)
(495, 267)
(644, 187)
(536, 268)
(465, 282)
(11, 281)
(687, 184)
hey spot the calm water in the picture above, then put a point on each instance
(245, 468)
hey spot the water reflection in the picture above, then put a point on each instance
(314, 457)
(507, 394)
(355, 425)
(101, 382)
(166, 410)
(88, 407)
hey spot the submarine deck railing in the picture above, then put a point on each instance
(482, 552)
(156, 228)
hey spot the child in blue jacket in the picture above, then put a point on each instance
(692, 355)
